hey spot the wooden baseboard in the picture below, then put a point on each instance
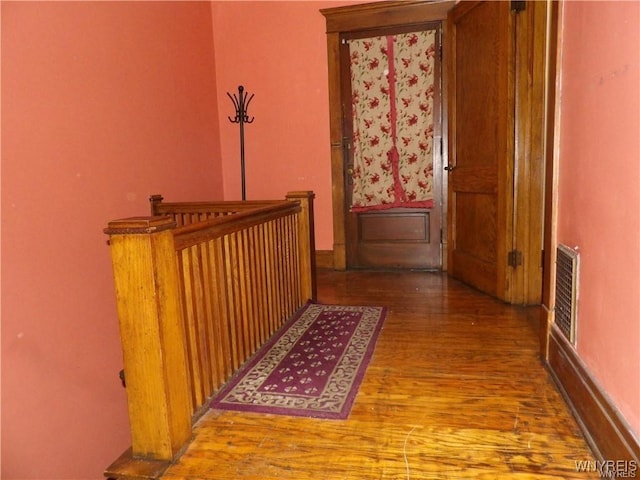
(606, 431)
(546, 320)
(324, 258)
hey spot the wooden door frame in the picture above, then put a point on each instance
(532, 87)
(354, 18)
(552, 154)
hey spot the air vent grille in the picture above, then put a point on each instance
(567, 264)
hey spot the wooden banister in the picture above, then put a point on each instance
(198, 291)
(194, 233)
(185, 213)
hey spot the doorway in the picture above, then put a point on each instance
(392, 130)
(517, 253)
(342, 21)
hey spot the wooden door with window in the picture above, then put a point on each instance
(392, 124)
(353, 20)
(481, 155)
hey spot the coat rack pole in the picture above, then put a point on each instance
(241, 105)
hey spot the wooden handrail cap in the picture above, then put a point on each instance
(301, 194)
(139, 225)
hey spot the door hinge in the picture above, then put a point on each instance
(518, 6)
(514, 258)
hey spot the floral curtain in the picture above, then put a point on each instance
(392, 82)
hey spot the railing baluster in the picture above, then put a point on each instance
(204, 320)
(253, 288)
(278, 294)
(260, 282)
(232, 296)
(246, 294)
(184, 292)
(223, 329)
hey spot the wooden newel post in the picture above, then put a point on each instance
(306, 243)
(152, 332)
(154, 202)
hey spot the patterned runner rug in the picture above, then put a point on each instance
(312, 367)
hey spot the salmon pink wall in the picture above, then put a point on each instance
(277, 50)
(103, 103)
(599, 189)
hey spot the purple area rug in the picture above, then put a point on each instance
(311, 368)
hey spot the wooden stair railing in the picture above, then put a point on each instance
(185, 213)
(195, 302)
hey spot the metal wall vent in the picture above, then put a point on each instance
(567, 264)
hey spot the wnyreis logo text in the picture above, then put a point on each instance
(609, 468)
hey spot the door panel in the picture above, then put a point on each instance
(398, 238)
(392, 237)
(481, 145)
(401, 226)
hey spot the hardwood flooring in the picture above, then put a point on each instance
(455, 390)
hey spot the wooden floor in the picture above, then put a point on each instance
(455, 390)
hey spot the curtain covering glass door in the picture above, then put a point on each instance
(392, 83)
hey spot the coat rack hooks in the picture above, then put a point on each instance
(241, 102)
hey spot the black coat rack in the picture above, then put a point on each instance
(241, 104)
